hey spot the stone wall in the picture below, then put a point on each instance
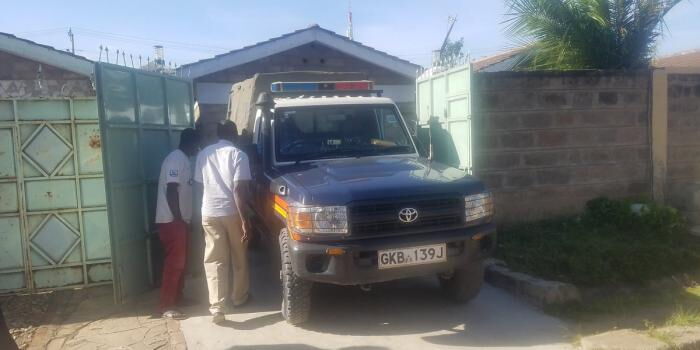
(683, 177)
(545, 143)
(23, 78)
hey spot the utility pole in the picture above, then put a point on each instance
(72, 40)
(349, 33)
(451, 21)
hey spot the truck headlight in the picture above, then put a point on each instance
(478, 208)
(321, 220)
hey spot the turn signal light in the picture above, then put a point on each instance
(335, 251)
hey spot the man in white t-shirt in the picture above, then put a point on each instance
(173, 214)
(224, 173)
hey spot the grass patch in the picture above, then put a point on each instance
(641, 309)
(654, 332)
(609, 244)
(684, 317)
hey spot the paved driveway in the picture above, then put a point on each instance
(409, 314)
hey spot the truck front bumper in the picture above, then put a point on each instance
(358, 264)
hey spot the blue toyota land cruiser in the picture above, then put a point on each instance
(340, 183)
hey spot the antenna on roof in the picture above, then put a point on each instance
(349, 32)
(72, 40)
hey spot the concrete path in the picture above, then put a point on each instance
(409, 314)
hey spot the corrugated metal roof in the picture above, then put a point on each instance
(484, 63)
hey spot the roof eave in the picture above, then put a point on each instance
(46, 55)
(199, 69)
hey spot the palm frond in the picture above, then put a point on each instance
(579, 34)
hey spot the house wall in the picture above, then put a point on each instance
(309, 57)
(683, 177)
(546, 142)
(22, 78)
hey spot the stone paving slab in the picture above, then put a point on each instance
(97, 323)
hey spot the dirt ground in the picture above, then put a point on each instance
(88, 319)
(24, 314)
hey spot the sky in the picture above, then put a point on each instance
(193, 30)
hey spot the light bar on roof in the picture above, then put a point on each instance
(360, 85)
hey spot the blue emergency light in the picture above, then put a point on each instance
(321, 86)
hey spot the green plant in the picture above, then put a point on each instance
(684, 317)
(586, 34)
(608, 244)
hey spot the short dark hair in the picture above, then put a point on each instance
(189, 137)
(227, 130)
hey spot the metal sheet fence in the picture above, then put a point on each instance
(53, 215)
(142, 115)
(446, 97)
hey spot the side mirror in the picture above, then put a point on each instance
(252, 152)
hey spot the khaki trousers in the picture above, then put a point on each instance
(223, 249)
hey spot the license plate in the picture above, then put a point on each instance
(399, 257)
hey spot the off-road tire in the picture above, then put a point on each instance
(464, 283)
(296, 292)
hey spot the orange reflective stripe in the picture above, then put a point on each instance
(281, 202)
(280, 210)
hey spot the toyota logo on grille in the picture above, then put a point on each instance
(408, 215)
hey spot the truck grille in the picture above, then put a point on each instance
(382, 218)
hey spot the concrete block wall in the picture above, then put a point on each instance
(683, 177)
(22, 78)
(546, 142)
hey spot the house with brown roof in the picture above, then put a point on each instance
(682, 59)
(310, 49)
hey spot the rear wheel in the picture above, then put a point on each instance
(464, 283)
(296, 292)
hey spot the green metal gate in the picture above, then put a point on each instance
(446, 96)
(53, 216)
(141, 115)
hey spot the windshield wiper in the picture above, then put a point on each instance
(385, 150)
(353, 152)
(326, 154)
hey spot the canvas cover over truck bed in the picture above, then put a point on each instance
(243, 95)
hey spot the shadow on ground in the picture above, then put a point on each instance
(414, 308)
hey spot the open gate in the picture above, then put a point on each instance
(444, 99)
(141, 117)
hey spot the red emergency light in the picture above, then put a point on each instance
(360, 85)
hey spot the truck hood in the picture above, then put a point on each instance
(338, 182)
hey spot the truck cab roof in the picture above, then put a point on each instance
(305, 101)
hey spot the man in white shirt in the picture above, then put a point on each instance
(224, 172)
(173, 214)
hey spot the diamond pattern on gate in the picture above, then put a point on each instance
(55, 239)
(47, 150)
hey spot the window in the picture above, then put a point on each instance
(319, 132)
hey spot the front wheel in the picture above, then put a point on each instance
(464, 283)
(296, 292)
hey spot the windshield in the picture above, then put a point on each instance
(307, 133)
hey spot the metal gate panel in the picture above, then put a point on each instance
(447, 97)
(141, 115)
(53, 222)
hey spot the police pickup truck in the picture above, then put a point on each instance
(340, 184)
